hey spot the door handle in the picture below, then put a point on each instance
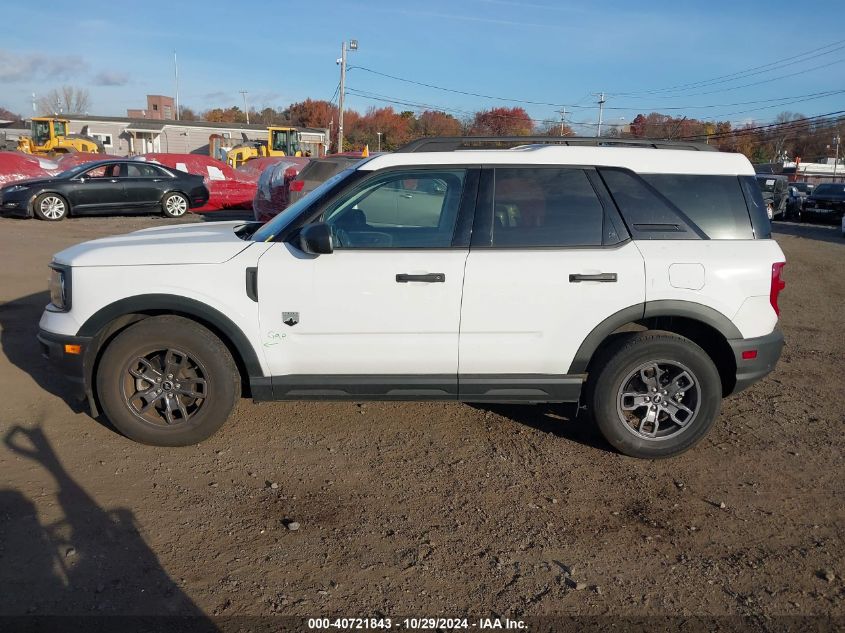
(605, 277)
(404, 278)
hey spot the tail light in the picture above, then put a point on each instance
(297, 185)
(778, 284)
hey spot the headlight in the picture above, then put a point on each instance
(60, 287)
(16, 188)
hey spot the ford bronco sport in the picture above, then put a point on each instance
(638, 278)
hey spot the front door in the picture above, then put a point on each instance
(99, 189)
(381, 313)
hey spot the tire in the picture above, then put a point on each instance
(142, 357)
(50, 207)
(627, 368)
(174, 205)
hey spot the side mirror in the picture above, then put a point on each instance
(316, 239)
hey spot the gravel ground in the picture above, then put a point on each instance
(424, 509)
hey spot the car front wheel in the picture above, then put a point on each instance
(167, 381)
(50, 207)
(655, 395)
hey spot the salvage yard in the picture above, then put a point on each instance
(432, 509)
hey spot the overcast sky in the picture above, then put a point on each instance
(644, 55)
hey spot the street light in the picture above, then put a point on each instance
(379, 140)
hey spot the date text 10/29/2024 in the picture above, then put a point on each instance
(416, 623)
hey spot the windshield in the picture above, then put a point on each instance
(275, 226)
(40, 132)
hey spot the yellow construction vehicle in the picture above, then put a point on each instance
(50, 136)
(281, 141)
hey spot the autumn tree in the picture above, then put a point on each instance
(502, 122)
(65, 100)
(228, 115)
(395, 129)
(435, 123)
(312, 113)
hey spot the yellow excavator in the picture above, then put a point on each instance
(281, 141)
(50, 136)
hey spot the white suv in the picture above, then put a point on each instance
(637, 278)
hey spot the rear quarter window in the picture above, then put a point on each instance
(715, 203)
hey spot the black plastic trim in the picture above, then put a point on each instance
(749, 371)
(599, 333)
(662, 308)
(465, 387)
(176, 305)
(695, 311)
(520, 387)
(252, 283)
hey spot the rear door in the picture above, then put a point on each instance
(550, 260)
(144, 184)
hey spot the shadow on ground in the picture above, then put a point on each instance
(90, 562)
(562, 420)
(820, 232)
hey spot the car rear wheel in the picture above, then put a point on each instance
(167, 381)
(50, 207)
(655, 395)
(174, 205)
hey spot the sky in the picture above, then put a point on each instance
(645, 56)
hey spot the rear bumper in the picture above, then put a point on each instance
(70, 365)
(749, 370)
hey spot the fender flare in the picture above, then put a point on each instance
(175, 304)
(650, 309)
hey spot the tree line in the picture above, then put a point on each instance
(790, 136)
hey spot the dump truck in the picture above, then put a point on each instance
(50, 136)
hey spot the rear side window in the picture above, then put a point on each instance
(648, 214)
(714, 203)
(545, 207)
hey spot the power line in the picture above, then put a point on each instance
(776, 65)
(788, 125)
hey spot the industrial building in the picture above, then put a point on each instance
(129, 136)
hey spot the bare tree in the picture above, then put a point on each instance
(65, 100)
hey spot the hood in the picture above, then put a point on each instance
(29, 182)
(200, 243)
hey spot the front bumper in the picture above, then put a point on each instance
(750, 370)
(58, 349)
(15, 204)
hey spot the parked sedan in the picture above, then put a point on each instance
(104, 187)
(827, 202)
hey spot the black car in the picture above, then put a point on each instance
(104, 187)
(827, 202)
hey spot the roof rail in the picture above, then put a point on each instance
(452, 143)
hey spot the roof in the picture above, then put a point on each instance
(140, 124)
(638, 159)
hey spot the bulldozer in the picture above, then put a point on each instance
(50, 136)
(281, 141)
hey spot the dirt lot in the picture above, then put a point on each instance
(424, 509)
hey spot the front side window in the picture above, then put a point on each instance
(415, 209)
(545, 207)
(112, 170)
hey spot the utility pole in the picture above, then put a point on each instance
(353, 46)
(562, 113)
(601, 102)
(836, 140)
(176, 78)
(379, 141)
(246, 108)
